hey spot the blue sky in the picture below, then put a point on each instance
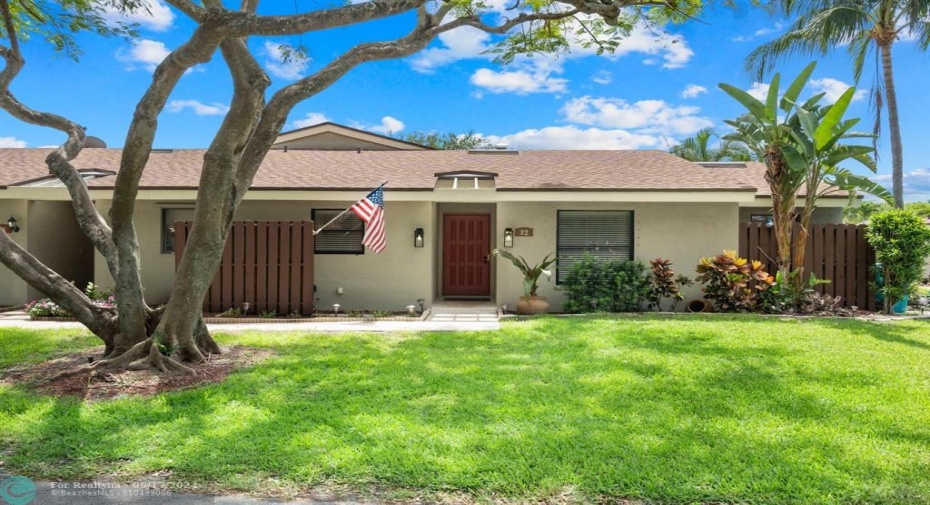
(659, 87)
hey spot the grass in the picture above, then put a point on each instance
(734, 409)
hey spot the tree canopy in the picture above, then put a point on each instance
(138, 335)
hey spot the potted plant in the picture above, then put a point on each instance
(530, 302)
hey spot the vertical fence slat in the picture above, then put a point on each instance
(293, 300)
(307, 301)
(261, 274)
(284, 255)
(251, 264)
(273, 267)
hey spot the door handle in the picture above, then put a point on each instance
(487, 258)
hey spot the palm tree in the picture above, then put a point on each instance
(860, 25)
(698, 148)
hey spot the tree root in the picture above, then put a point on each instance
(142, 356)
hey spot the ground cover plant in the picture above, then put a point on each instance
(674, 409)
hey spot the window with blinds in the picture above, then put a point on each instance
(344, 236)
(604, 234)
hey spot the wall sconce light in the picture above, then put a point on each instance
(11, 223)
(418, 237)
(508, 237)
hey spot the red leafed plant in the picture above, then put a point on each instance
(663, 283)
(731, 283)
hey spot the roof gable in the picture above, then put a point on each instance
(336, 137)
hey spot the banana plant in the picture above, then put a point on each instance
(530, 273)
(802, 149)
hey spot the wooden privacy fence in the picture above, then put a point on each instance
(268, 264)
(837, 252)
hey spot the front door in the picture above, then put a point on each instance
(466, 249)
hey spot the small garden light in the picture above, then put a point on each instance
(336, 308)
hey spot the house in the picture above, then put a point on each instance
(445, 211)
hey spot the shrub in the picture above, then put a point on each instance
(663, 283)
(95, 292)
(789, 295)
(606, 286)
(731, 283)
(902, 242)
(45, 308)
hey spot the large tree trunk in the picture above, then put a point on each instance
(894, 127)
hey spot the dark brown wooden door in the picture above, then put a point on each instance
(466, 246)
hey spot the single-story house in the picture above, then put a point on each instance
(459, 204)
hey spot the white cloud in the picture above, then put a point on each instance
(693, 90)
(834, 89)
(470, 43)
(759, 90)
(12, 142)
(290, 67)
(145, 52)
(458, 44)
(647, 116)
(761, 32)
(151, 14)
(531, 76)
(916, 184)
(602, 77)
(312, 118)
(655, 42)
(201, 109)
(388, 125)
(572, 137)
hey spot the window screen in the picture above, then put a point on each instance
(344, 236)
(604, 234)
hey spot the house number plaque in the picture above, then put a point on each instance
(523, 232)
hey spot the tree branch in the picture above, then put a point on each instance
(58, 289)
(91, 222)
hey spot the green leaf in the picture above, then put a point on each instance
(832, 118)
(791, 94)
(754, 106)
(772, 99)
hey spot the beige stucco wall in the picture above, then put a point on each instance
(388, 281)
(821, 215)
(12, 288)
(682, 232)
(58, 242)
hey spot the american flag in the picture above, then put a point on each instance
(371, 210)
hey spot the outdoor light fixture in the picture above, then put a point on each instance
(418, 238)
(508, 237)
(11, 222)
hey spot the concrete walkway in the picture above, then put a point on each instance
(445, 316)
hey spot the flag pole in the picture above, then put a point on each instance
(333, 220)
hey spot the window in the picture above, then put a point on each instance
(168, 218)
(344, 236)
(604, 234)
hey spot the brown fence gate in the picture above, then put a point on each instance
(837, 252)
(267, 264)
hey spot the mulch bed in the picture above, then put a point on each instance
(109, 384)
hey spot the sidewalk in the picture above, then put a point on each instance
(436, 322)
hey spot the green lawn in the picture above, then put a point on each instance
(681, 409)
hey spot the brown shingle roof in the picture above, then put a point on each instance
(525, 170)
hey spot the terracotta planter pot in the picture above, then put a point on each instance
(699, 306)
(532, 305)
